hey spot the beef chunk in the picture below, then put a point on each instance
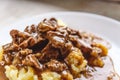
(55, 65)
(31, 60)
(49, 52)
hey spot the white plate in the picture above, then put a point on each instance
(106, 27)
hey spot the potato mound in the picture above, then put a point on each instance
(1, 53)
(12, 73)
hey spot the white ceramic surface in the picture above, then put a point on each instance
(103, 26)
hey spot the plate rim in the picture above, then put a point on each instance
(66, 12)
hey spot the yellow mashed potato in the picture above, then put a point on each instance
(76, 61)
(12, 73)
(50, 76)
(1, 53)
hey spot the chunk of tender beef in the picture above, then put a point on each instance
(55, 65)
(19, 56)
(73, 32)
(28, 43)
(47, 25)
(10, 47)
(7, 58)
(49, 52)
(31, 29)
(77, 42)
(59, 40)
(18, 36)
(56, 38)
(24, 39)
(31, 60)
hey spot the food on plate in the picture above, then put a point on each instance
(53, 51)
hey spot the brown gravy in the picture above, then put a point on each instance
(105, 73)
(2, 74)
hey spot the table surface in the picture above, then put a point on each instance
(12, 11)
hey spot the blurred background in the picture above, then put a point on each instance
(12, 11)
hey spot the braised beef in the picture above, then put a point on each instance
(55, 65)
(49, 52)
(48, 39)
(18, 37)
(32, 29)
(46, 45)
(31, 60)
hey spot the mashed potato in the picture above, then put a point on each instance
(103, 48)
(50, 76)
(1, 53)
(12, 73)
(76, 61)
